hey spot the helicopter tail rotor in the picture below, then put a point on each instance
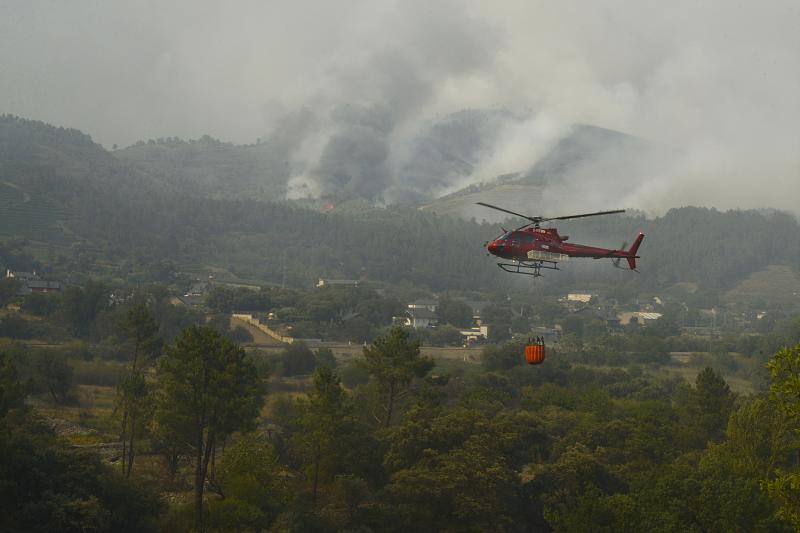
(615, 261)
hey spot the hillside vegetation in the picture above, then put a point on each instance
(58, 186)
(208, 167)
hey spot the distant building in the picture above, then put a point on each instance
(703, 331)
(421, 317)
(21, 276)
(637, 316)
(649, 316)
(548, 334)
(337, 282)
(199, 288)
(37, 285)
(581, 297)
(475, 335)
(31, 282)
(120, 296)
(190, 300)
(429, 304)
(612, 321)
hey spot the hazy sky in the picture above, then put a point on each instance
(718, 80)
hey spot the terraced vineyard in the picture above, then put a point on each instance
(30, 216)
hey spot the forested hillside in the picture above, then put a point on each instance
(58, 187)
(210, 168)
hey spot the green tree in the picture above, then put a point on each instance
(325, 357)
(240, 335)
(297, 359)
(469, 487)
(8, 290)
(135, 401)
(208, 390)
(141, 329)
(133, 392)
(81, 306)
(53, 374)
(50, 486)
(502, 357)
(394, 362)
(454, 312)
(321, 416)
(731, 497)
(253, 486)
(574, 480)
(573, 324)
(14, 326)
(167, 442)
(39, 304)
(12, 391)
(708, 408)
(454, 470)
(498, 318)
(446, 335)
(784, 397)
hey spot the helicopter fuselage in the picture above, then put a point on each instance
(545, 244)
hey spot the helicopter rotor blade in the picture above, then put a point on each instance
(532, 219)
(615, 261)
(524, 226)
(598, 213)
(538, 220)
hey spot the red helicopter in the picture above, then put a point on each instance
(532, 248)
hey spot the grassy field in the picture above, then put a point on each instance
(777, 284)
(89, 420)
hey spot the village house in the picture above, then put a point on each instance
(579, 297)
(637, 316)
(337, 283)
(421, 317)
(31, 282)
(429, 304)
(474, 335)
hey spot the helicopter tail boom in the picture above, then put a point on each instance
(633, 249)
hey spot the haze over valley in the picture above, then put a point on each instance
(400, 102)
(384, 265)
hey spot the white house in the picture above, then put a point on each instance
(421, 317)
(430, 305)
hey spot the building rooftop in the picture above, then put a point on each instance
(422, 312)
(21, 275)
(41, 284)
(351, 282)
(650, 316)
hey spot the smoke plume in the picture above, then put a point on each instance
(403, 101)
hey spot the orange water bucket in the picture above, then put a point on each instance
(534, 354)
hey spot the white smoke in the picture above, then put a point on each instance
(349, 88)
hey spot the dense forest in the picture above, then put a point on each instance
(126, 407)
(214, 438)
(102, 210)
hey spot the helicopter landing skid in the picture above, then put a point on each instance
(529, 268)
